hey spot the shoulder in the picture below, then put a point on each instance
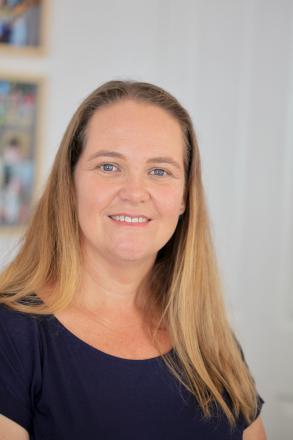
(20, 360)
(17, 324)
(19, 337)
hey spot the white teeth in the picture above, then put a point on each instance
(127, 219)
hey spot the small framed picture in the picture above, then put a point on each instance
(22, 26)
(20, 102)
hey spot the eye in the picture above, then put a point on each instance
(109, 168)
(106, 167)
(160, 172)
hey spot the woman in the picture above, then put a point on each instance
(112, 320)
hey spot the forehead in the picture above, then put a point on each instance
(134, 125)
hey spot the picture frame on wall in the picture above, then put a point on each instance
(20, 111)
(22, 26)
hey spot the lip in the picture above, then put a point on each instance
(131, 215)
(130, 224)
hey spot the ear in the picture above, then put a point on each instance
(182, 208)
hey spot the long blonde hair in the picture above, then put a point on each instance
(184, 282)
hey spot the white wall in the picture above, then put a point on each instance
(230, 62)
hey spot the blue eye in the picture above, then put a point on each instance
(161, 171)
(107, 167)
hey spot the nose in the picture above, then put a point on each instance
(134, 189)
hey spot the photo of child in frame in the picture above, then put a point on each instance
(18, 106)
(20, 23)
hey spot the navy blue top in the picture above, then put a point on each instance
(58, 387)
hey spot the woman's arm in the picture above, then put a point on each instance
(10, 430)
(255, 431)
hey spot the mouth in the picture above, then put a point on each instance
(130, 221)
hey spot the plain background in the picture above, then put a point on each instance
(230, 63)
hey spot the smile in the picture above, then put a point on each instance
(129, 221)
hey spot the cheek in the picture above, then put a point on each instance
(93, 195)
(169, 200)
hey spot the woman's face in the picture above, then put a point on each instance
(131, 166)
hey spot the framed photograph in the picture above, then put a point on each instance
(20, 112)
(22, 26)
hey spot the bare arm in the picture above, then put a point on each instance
(255, 431)
(10, 430)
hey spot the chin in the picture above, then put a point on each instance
(133, 255)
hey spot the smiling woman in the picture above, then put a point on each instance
(129, 188)
(112, 310)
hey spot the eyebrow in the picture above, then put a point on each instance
(159, 159)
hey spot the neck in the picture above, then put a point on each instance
(111, 285)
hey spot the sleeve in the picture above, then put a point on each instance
(260, 403)
(19, 365)
(259, 399)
